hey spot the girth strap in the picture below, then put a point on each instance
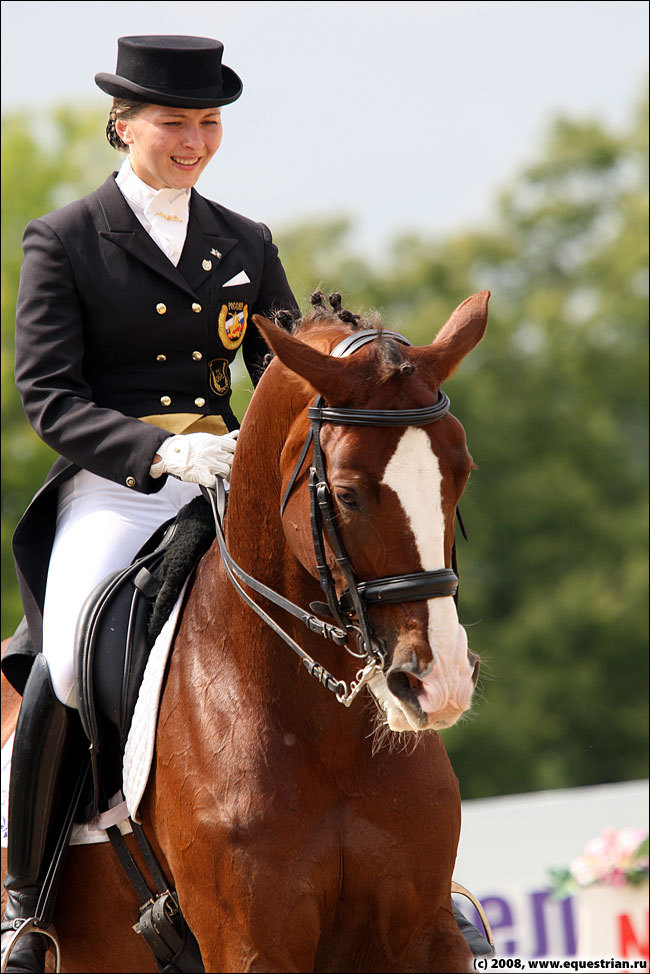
(160, 921)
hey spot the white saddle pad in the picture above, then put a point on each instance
(137, 755)
(141, 741)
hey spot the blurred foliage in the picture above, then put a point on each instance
(47, 161)
(554, 401)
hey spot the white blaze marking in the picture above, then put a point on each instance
(413, 472)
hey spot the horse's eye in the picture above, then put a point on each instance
(347, 499)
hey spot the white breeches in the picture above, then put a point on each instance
(100, 526)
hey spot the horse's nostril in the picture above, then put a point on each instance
(401, 684)
(413, 680)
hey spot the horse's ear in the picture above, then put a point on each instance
(331, 377)
(464, 329)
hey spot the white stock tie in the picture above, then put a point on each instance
(167, 212)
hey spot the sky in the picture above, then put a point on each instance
(407, 116)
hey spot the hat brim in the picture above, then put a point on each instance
(119, 87)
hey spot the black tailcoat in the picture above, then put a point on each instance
(109, 330)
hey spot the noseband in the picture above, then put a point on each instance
(350, 610)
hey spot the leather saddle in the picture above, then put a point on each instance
(116, 630)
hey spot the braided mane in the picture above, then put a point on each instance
(391, 359)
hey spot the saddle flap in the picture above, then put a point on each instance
(111, 645)
(117, 628)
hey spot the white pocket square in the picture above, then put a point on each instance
(241, 278)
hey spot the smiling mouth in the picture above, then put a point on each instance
(186, 163)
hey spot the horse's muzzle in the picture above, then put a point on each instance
(426, 697)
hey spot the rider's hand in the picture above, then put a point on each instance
(198, 458)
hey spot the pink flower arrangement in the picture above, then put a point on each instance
(612, 858)
(617, 857)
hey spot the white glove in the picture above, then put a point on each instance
(198, 458)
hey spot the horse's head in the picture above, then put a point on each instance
(395, 491)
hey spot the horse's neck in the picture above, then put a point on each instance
(257, 542)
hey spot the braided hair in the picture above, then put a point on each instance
(125, 109)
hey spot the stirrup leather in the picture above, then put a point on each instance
(29, 925)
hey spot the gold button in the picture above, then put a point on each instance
(161, 308)
(196, 308)
(165, 400)
(130, 481)
(197, 356)
(207, 265)
(199, 401)
(161, 358)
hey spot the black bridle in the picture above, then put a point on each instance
(350, 610)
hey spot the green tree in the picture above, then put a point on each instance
(558, 424)
(554, 581)
(46, 162)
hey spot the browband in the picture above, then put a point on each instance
(381, 417)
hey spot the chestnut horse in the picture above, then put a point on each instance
(295, 842)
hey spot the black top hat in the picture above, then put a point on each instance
(184, 72)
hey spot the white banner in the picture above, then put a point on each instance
(507, 846)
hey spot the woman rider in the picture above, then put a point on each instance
(132, 304)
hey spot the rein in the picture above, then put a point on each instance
(345, 695)
(356, 598)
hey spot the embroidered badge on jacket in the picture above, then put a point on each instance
(233, 319)
(219, 376)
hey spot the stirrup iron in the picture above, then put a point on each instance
(29, 925)
(457, 888)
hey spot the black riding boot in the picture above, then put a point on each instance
(35, 814)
